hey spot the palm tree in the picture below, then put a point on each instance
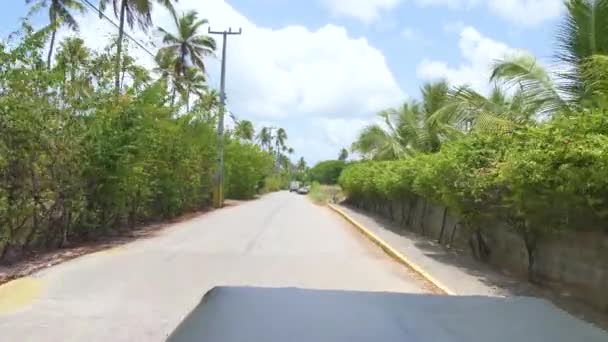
(279, 142)
(280, 139)
(165, 67)
(73, 60)
(60, 12)
(408, 129)
(382, 142)
(265, 138)
(165, 60)
(581, 43)
(131, 11)
(208, 105)
(428, 135)
(73, 55)
(596, 73)
(244, 130)
(467, 109)
(343, 155)
(301, 166)
(192, 81)
(188, 44)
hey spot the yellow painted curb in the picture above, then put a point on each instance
(392, 252)
(19, 293)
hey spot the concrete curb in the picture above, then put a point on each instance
(390, 251)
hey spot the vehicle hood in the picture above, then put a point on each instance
(231, 314)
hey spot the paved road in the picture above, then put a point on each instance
(141, 291)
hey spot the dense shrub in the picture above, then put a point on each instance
(555, 175)
(540, 179)
(77, 161)
(274, 182)
(327, 172)
(246, 167)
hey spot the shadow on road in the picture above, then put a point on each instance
(501, 283)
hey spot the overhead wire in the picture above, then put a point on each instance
(140, 44)
(104, 16)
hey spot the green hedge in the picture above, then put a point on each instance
(326, 172)
(539, 179)
(246, 166)
(76, 161)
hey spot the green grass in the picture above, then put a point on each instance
(321, 194)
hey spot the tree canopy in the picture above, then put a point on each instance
(78, 162)
(530, 152)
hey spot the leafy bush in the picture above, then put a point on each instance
(76, 160)
(555, 176)
(327, 172)
(540, 179)
(321, 194)
(275, 182)
(246, 167)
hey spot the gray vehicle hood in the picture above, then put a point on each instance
(249, 314)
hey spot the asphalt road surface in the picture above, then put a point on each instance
(141, 291)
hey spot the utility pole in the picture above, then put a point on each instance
(218, 186)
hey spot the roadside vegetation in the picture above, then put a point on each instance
(92, 143)
(323, 193)
(323, 177)
(327, 172)
(533, 152)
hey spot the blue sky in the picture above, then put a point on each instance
(323, 68)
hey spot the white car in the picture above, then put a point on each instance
(294, 186)
(303, 190)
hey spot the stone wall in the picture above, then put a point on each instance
(574, 263)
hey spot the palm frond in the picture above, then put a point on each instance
(168, 37)
(189, 45)
(206, 43)
(595, 72)
(434, 96)
(197, 25)
(524, 72)
(581, 36)
(583, 32)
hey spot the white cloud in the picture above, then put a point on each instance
(364, 10)
(454, 4)
(338, 131)
(527, 12)
(330, 136)
(288, 74)
(479, 55)
(523, 12)
(300, 72)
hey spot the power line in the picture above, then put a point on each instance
(139, 44)
(118, 27)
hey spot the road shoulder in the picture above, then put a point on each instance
(459, 273)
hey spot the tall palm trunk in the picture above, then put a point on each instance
(188, 99)
(121, 33)
(278, 165)
(181, 71)
(182, 59)
(50, 56)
